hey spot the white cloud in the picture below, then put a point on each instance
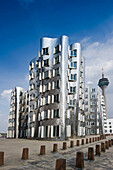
(89, 82)
(6, 94)
(85, 41)
(99, 55)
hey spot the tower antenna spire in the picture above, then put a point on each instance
(102, 73)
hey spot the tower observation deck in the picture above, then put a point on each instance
(103, 83)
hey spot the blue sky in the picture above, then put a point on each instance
(24, 22)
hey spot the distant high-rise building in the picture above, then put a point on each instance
(103, 83)
(56, 88)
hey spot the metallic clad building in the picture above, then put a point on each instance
(56, 88)
(17, 126)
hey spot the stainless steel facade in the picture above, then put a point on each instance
(56, 89)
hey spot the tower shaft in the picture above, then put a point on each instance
(104, 94)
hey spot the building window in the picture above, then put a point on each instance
(37, 63)
(57, 71)
(93, 102)
(93, 110)
(55, 131)
(72, 102)
(72, 89)
(93, 90)
(110, 131)
(86, 90)
(57, 49)
(56, 84)
(46, 114)
(56, 60)
(46, 75)
(56, 113)
(56, 98)
(37, 73)
(93, 96)
(86, 96)
(92, 131)
(86, 103)
(47, 99)
(73, 64)
(21, 93)
(73, 76)
(47, 87)
(93, 116)
(20, 101)
(73, 53)
(46, 63)
(92, 123)
(86, 109)
(45, 51)
(46, 131)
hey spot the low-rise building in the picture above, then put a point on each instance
(108, 126)
(3, 135)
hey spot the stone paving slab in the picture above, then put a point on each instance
(13, 151)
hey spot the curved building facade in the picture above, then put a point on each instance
(56, 85)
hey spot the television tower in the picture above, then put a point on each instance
(103, 83)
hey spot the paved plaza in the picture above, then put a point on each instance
(12, 149)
